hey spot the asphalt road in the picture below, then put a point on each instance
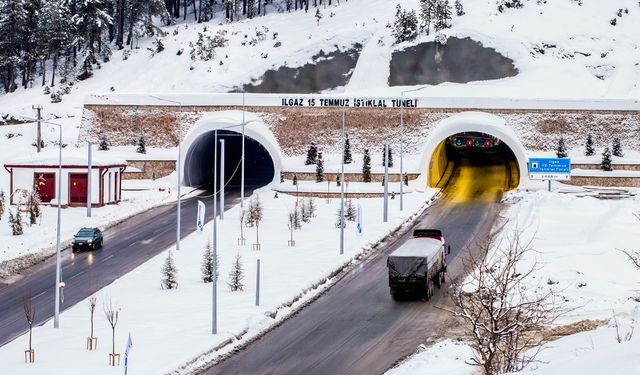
(356, 328)
(126, 246)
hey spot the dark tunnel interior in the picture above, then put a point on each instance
(478, 149)
(199, 167)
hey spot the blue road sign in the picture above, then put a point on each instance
(549, 169)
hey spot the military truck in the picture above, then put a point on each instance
(418, 265)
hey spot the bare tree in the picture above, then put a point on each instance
(112, 314)
(634, 257)
(92, 342)
(242, 240)
(30, 314)
(503, 315)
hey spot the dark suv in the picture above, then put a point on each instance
(87, 237)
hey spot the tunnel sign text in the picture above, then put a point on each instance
(348, 102)
(549, 169)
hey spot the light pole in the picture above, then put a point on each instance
(385, 207)
(89, 193)
(402, 143)
(214, 249)
(342, 187)
(56, 315)
(242, 167)
(178, 165)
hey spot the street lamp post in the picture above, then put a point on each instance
(56, 318)
(402, 143)
(214, 249)
(342, 186)
(89, 193)
(58, 284)
(242, 167)
(178, 166)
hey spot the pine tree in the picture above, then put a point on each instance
(206, 267)
(390, 157)
(405, 25)
(589, 149)
(295, 180)
(366, 166)
(339, 220)
(443, 15)
(312, 154)
(319, 169)
(56, 33)
(427, 12)
(350, 212)
(104, 146)
(2, 203)
(318, 16)
(617, 147)
(236, 275)
(297, 216)
(346, 155)
(459, 8)
(34, 205)
(13, 17)
(16, 223)
(605, 165)
(169, 274)
(561, 150)
(142, 149)
(92, 19)
(308, 209)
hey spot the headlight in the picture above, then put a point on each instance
(89, 241)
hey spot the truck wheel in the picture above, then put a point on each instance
(394, 294)
(429, 291)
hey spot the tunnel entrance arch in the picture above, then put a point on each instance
(262, 152)
(469, 122)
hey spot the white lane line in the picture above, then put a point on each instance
(76, 275)
(107, 258)
(38, 295)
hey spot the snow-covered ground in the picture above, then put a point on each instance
(578, 243)
(585, 45)
(171, 327)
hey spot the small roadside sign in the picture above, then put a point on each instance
(549, 168)
(200, 217)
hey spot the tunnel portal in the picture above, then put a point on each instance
(199, 161)
(477, 164)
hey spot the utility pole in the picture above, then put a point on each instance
(89, 200)
(385, 209)
(39, 134)
(214, 249)
(342, 186)
(222, 179)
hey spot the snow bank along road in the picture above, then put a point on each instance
(356, 328)
(126, 246)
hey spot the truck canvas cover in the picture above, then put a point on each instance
(414, 257)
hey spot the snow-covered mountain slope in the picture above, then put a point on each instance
(559, 47)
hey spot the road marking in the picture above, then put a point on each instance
(38, 295)
(107, 258)
(76, 275)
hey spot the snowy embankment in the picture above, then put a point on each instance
(585, 58)
(171, 327)
(578, 243)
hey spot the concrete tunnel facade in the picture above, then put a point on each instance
(432, 161)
